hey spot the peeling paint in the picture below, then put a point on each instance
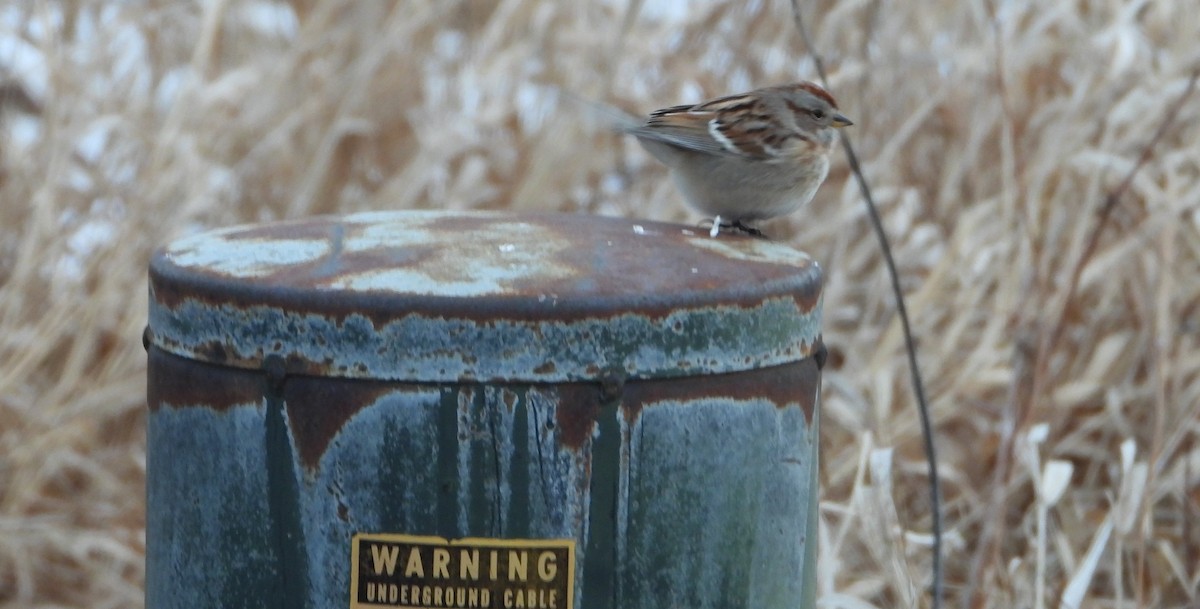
(543, 299)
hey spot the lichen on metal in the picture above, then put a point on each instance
(433, 296)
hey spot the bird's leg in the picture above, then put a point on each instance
(716, 227)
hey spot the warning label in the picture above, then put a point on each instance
(389, 570)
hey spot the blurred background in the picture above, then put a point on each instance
(1059, 343)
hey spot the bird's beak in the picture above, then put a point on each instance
(840, 121)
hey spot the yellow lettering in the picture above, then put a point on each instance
(531, 598)
(441, 563)
(437, 596)
(414, 567)
(547, 566)
(494, 565)
(383, 558)
(426, 595)
(518, 566)
(468, 565)
(383, 593)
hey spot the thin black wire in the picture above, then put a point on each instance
(935, 490)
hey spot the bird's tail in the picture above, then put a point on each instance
(600, 114)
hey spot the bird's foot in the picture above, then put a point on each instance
(749, 230)
(716, 226)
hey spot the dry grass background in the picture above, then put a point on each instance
(991, 131)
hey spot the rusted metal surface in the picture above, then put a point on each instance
(724, 467)
(542, 298)
(684, 469)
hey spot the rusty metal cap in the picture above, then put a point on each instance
(450, 296)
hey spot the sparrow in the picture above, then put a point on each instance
(746, 157)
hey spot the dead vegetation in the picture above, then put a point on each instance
(1066, 407)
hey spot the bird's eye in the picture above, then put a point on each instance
(818, 114)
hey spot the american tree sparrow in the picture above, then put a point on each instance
(746, 157)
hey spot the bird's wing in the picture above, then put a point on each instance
(710, 127)
(684, 127)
